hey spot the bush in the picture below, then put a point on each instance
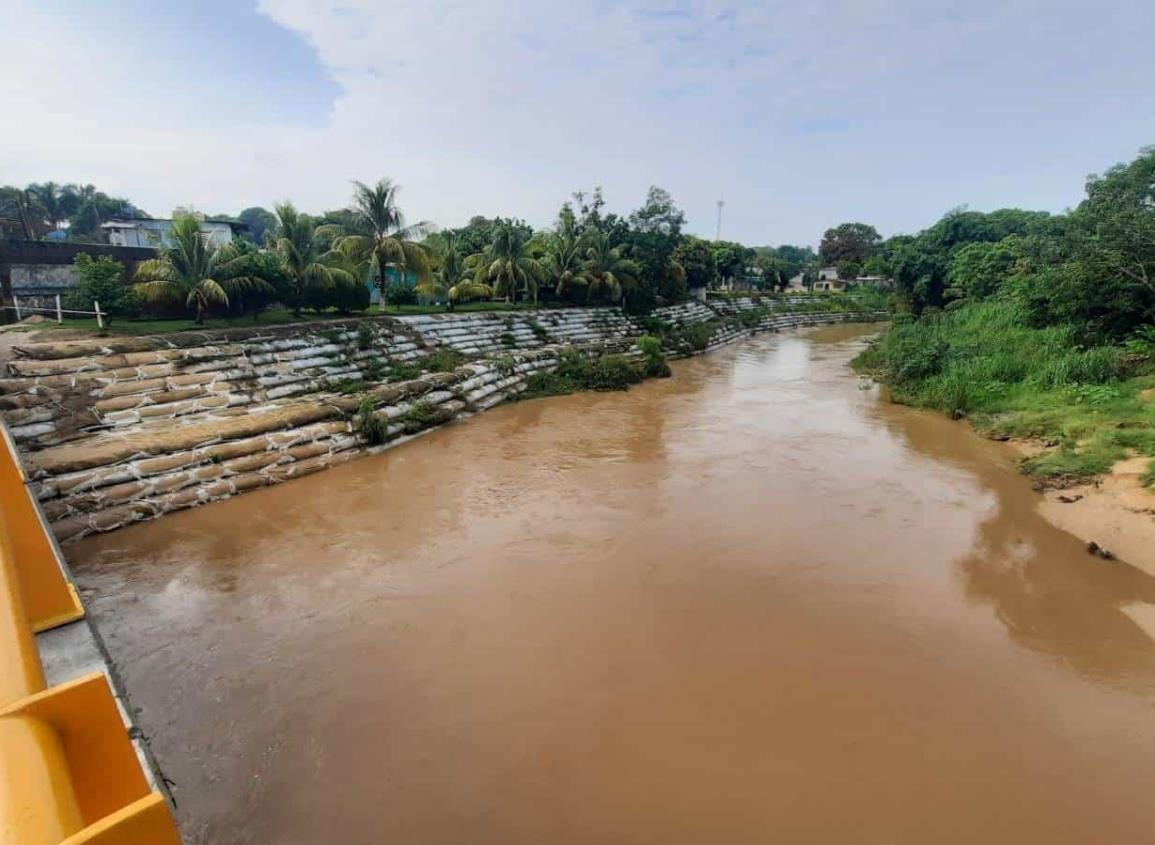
(344, 297)
(372, 428)
(349, 297)
(101, 280)
(653, 361)
(698, 335)
(613, 372)
(364, 336)
(399, 293)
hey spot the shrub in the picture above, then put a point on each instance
(349, 297)
(399, 293)
(653, 361)
(373, 429)
(508, 340)
(364, 336)
(698, 335)
(613, 372)
(420, 415)
(343, 297)
(101, 280)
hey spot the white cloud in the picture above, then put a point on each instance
(508, 105)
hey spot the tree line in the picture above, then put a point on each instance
(587, 257)
(1092, 267)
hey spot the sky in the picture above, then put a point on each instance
(800, 115)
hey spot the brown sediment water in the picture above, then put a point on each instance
(752, 603)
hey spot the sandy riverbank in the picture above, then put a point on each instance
(1116, 512)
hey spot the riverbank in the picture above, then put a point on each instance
(1082, 418)
(115, 431)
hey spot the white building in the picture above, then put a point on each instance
(152, 232)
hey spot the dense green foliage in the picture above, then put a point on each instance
(193, 272)
(576, 371)
(101, 280)
(74, 211)
(986, 361)
(1035, 325)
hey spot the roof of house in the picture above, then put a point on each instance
(131, 222)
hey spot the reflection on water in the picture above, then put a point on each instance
(750, 603)
(1051, 595)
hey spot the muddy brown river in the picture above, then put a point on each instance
(753, 603)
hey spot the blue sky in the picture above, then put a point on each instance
(799, 115)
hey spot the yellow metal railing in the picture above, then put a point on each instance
(68, 771)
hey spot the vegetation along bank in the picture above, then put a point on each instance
(1040, 329)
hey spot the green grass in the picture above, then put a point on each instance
(986, 363)
(270, 317)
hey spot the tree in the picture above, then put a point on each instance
(731, 259)
(564, 248)
(848, 241)
(450, 275)
(51, 201)
(605, 268)
(508, 265)
(795, 259)
(259, 221)
(696, 259)
(376, 232)
(480, 231)
(193, 271)
(849, 270)
(654, 232)
(306, 262)
(977, 270)
(919, 271)
(876, 265)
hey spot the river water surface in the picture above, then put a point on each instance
(752, 603)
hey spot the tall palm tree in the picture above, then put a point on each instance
(376, 232)
(509, 265)
(299, 245)
(605, 268)
(564, 254)
(194, 271)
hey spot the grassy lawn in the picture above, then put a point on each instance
(271, 317)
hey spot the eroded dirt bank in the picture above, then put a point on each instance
(751, 603)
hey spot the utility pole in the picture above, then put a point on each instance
(718, 231)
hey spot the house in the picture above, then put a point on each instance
(154, 232)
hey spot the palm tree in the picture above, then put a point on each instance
(564, 250)
(194, 271)
(451, 275)
(376, 232)
(298, 243)
(52, 201)
(607, 269)
(508, 264)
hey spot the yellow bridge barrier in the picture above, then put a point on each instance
(68, 771)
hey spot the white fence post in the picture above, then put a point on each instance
(59, 313)
(99, 316)
(16, 305)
